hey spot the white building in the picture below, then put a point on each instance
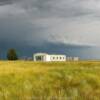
(46, 57)
(76, 58)
(72, 58)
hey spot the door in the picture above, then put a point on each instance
(39, 58)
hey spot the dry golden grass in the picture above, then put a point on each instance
(28, 80)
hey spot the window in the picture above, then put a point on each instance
(39, 58)
(57, 57)
(53, 57)
(60, 57)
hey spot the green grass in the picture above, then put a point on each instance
(27, 80)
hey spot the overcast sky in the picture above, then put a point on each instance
(35, 22)
(57, 21)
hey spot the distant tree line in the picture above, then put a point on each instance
(12, 54)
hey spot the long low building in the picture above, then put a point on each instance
(44, 57)
(47, 57)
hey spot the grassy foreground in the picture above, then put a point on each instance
(49, 81)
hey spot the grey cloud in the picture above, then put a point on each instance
(58, 8)
(42, 19)
(6, 2)
(19, 30)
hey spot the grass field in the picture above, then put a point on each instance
(27, 80)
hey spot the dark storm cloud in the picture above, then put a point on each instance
(6, 2)
(3, 2)
(47, 18)
(19, 31)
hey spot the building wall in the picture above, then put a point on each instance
(57, 57)
(48, 58)
(76, 58)
(41, 55)
(72, 58)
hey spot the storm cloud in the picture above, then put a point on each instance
(37, 22)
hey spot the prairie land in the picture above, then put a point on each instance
(27, 80)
